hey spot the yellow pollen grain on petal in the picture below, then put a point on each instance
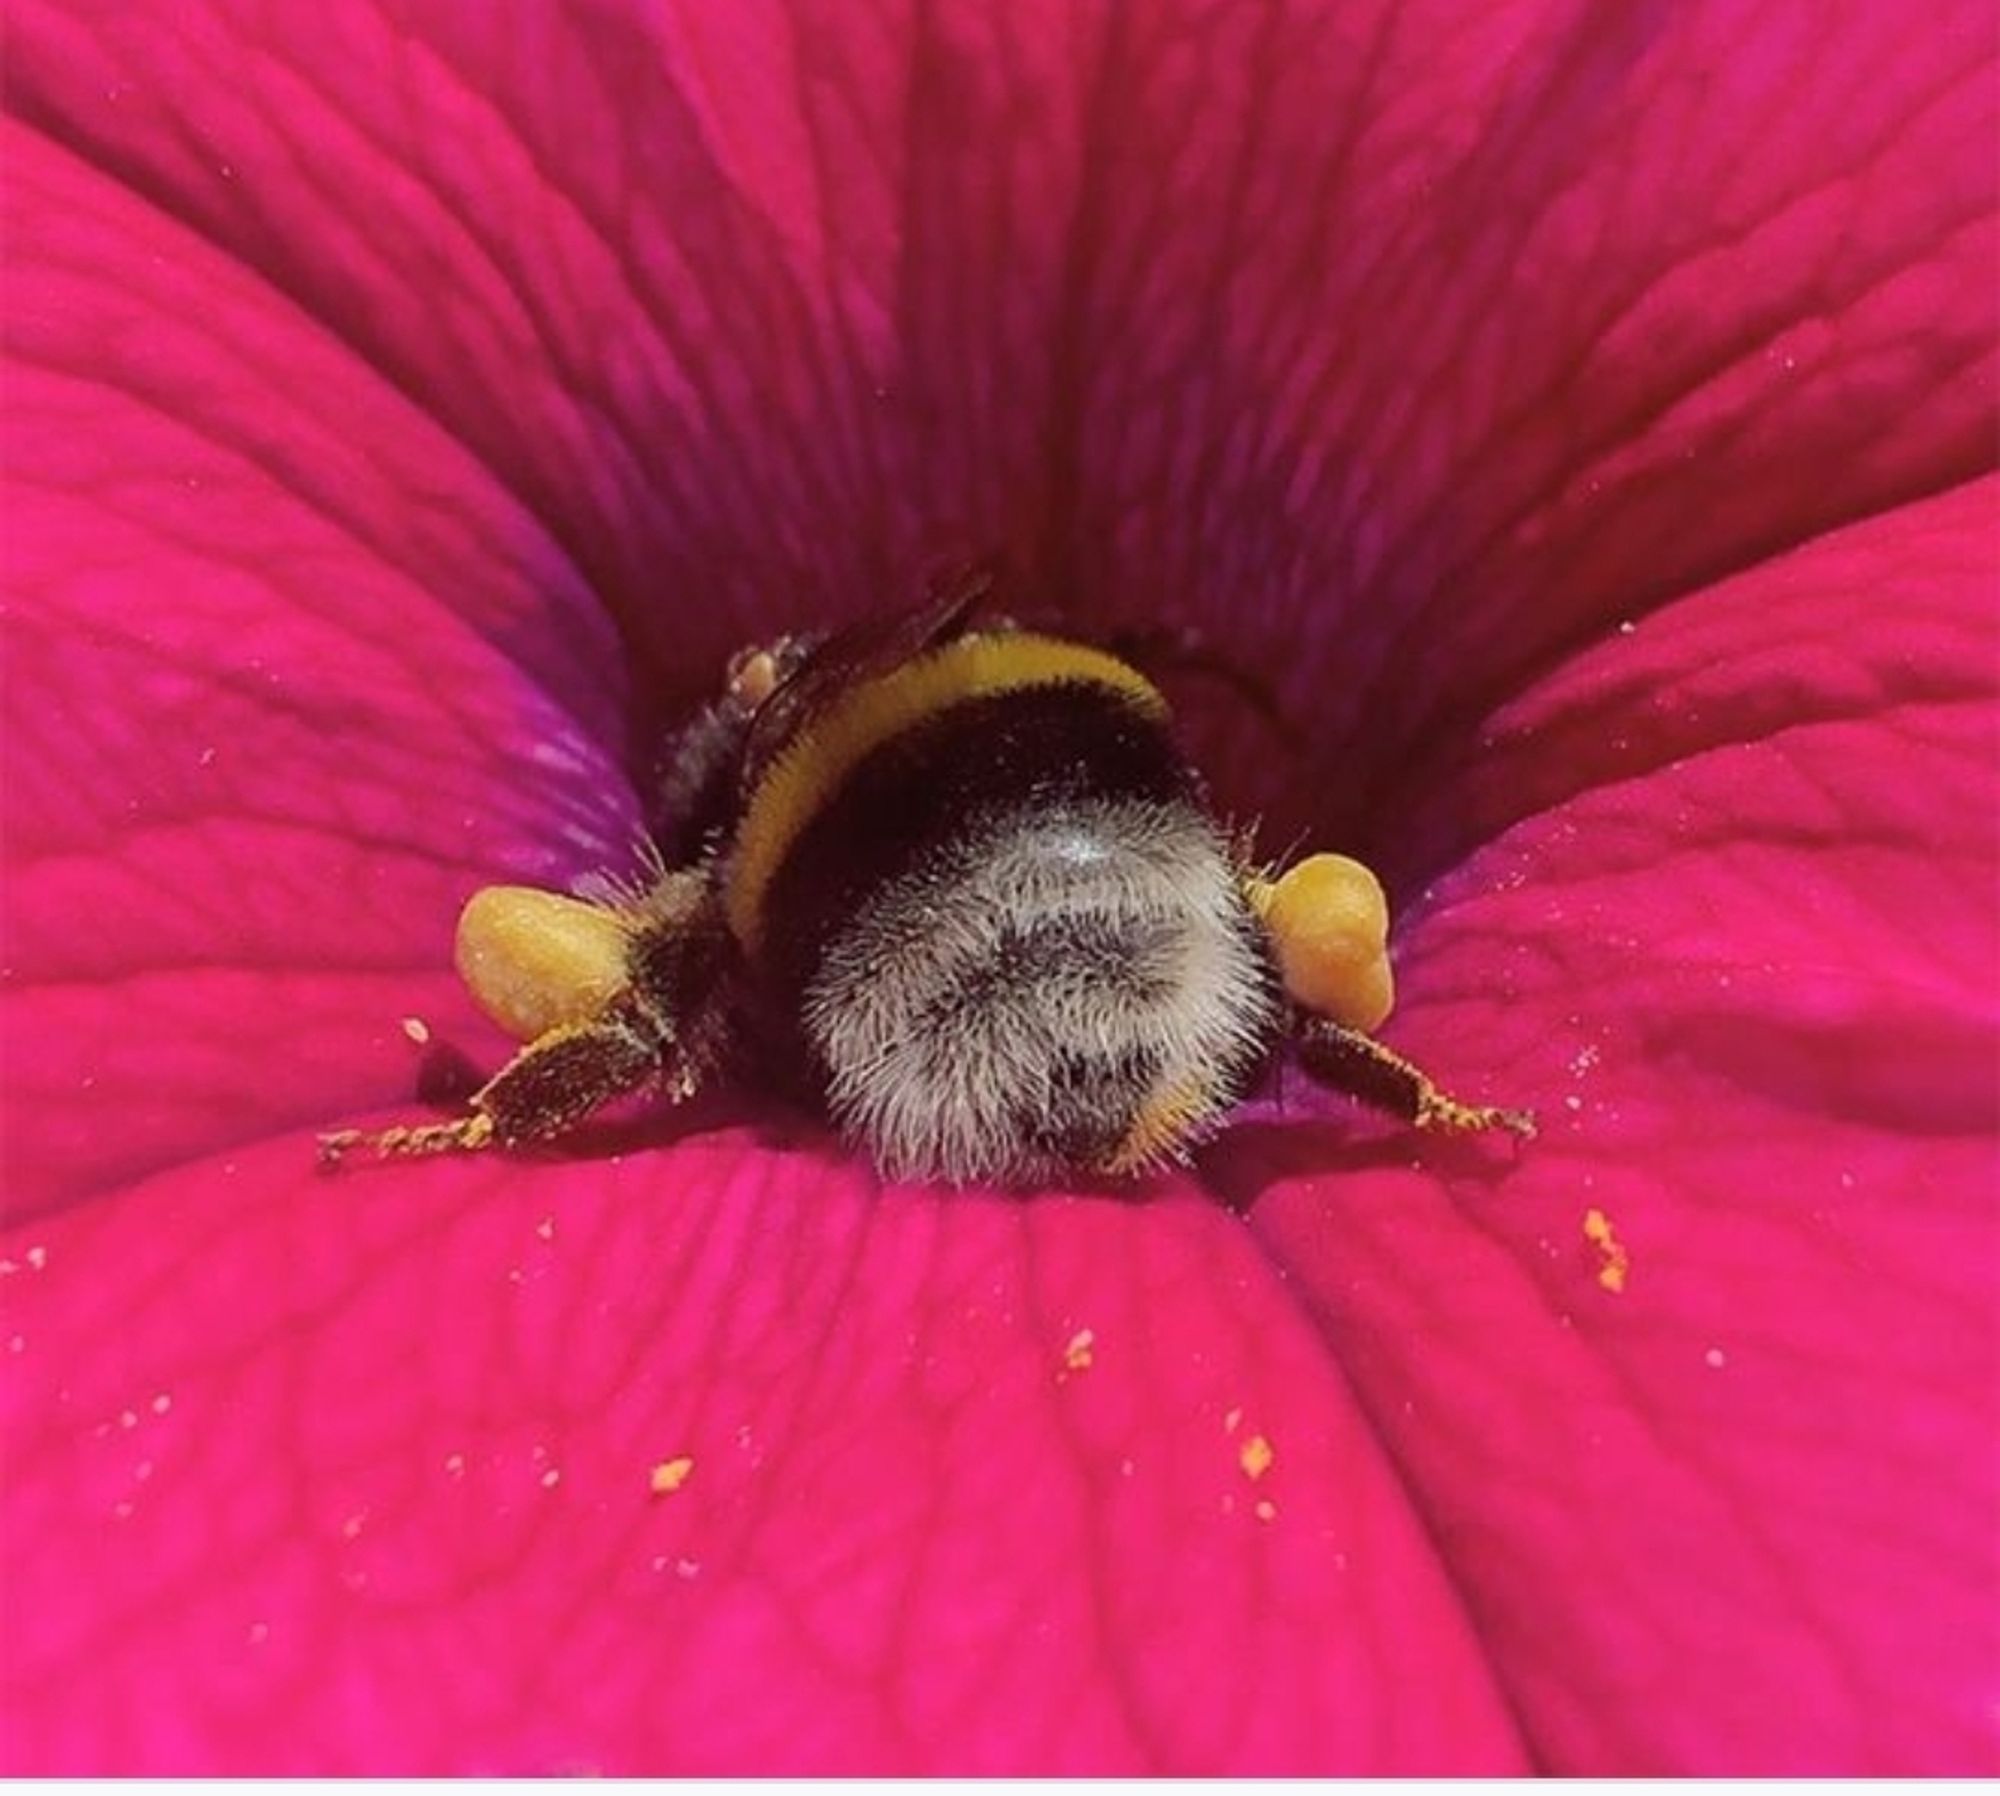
(1328, 920)
(670, 1474)
(1256, 1457)
(536, 961)
(1615, 1262)
(1077, 1355)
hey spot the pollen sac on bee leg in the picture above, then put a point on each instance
(1328, 920)
(536, 961)
(1328, 923)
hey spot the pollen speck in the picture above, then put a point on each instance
(1232, 1421)
(1715, 1359)
(417, 1029)
(1616, 1262)
(670, 1474)
(1266, 1510)
(1077, 1355)
(1256, 1457)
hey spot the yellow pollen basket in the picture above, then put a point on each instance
(536, 961)
(1329, 925)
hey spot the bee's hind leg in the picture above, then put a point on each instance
(548, 1088)
(1352, 1061)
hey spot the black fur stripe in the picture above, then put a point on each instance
(932, 794)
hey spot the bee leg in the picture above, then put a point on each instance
(1358, 1064)
(463, 1134)
(549, 1087)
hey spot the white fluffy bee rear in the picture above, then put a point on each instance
(1074, 986)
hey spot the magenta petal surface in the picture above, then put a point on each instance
(235, 793)
(1575, 415)
(1741, 951)
(968, 1484)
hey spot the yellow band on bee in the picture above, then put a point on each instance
(809, 771)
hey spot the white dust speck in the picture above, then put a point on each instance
(1715, 1359)
(162, 1403)
(685, 1569)
(551, 1478)
(417, 1029)
(454, 1465)
(546, 1228)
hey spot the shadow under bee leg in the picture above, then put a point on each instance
(549, 1087)
(1349, 1060)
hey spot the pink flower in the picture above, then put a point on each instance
(1583, 417)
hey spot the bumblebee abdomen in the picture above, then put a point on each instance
(1070, 989)
(1015, 943)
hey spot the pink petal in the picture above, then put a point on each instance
(1574, 317)
(1740, 949)
(285, 683)
(1406, 346)
(968, 1487)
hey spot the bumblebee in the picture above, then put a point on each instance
(956, 885)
